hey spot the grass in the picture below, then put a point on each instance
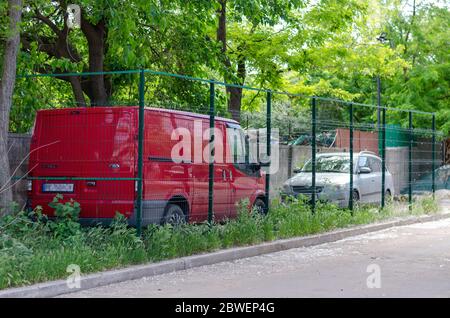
(40, 250)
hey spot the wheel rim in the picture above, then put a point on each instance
(388, 196)
(175, 219)
(260, 207)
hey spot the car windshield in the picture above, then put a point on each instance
(329, 164)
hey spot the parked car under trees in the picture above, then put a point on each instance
(333, 179)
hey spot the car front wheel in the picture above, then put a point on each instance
(260, 206)
(388, 196)
(355, 196)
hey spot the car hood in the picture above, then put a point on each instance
(323, 178)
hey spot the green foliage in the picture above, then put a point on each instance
(35, 249)
(3, 27)
(412, 63)
(425, 205)
(326, 49)
(424, 86)
(66, 217)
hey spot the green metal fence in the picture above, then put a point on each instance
(309, 127)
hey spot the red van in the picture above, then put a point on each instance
(90, 155)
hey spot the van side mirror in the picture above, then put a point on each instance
(254, 166)
(364, 170)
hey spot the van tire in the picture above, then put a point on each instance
(260, 206)
(174, 215)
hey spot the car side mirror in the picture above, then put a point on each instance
(297, 170)
(364, 170)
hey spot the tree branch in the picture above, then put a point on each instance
(47, 21)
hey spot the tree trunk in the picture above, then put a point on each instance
(77, 91)
(235, 93)
(222, 28)
(95, 86)
(6, 90)
(235, 101)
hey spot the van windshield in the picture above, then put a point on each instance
(339, 164)
(236, 140)
(242, 151)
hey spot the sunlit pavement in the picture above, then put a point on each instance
(407, 261)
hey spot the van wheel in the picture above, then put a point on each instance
(260, 206)
(174, 215)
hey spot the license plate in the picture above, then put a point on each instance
(57, 187)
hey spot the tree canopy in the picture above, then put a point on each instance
(325, 47)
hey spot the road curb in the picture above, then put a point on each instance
(59, 287)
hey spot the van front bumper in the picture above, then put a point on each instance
(103, 212)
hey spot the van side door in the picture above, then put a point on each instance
(167, 176)
(200, 175)
(243, 178)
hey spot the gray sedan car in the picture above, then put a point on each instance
(333, 179)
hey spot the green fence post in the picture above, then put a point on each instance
(211, 152)
(313, 154)
(410, 117)
(268, 146)
(140, 152)
(433, 154)
(383, 159)
(350, 198)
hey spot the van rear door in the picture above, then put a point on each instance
(88, 154)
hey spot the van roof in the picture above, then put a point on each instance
(172, 111)
(186, 113)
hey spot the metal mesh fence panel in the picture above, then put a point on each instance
(166, 148)
(82, 148)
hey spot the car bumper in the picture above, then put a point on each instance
(340, 202)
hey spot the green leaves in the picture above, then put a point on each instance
(326, 48)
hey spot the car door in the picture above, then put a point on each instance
(366, 181)
(375, 166)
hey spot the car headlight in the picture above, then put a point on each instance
(341, 190)
(341, 187)
(335, 191)
(287, 188)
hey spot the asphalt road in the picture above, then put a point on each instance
(408, 261)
